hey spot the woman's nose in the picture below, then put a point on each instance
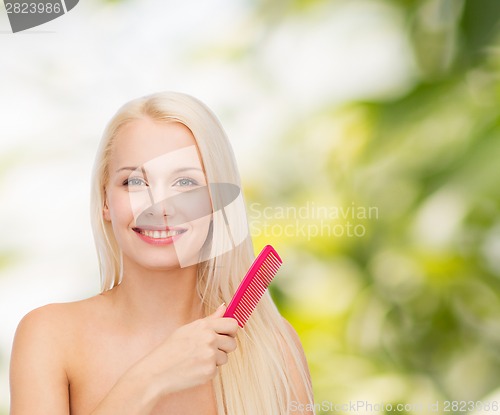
(157, 213)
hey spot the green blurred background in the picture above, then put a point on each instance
(381, 197)
(409, 312)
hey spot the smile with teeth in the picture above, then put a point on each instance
(159, 234)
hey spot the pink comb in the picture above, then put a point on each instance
(253, 286)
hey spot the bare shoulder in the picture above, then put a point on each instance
(296, 339)
(53, 322)
(47, 316)
(38, 367)
(303, 402)
(293, 333)
(44, 324)
(39, 361)
(50, 329)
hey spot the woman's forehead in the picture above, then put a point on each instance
(175, 161)
(155, 145)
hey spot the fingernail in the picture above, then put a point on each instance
(222, 305)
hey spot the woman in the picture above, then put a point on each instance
(173, 245)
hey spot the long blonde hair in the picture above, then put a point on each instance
(257, 378)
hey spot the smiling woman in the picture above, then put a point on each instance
(172, 240)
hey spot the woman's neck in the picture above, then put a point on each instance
(152, 298)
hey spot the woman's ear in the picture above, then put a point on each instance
(105, 211)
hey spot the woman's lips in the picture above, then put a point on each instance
(159, 236)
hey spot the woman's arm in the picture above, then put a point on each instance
(189, 357)
(38, 380)
(133, 394)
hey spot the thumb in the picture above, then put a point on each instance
(219, 312)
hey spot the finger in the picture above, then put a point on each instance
(219, 312)
(227, 326)
(221, 358)
(227, 344)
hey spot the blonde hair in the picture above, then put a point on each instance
(257, 378)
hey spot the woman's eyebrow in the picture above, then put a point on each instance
(181, 169)
(127, 168)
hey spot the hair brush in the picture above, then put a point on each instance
(253, 286)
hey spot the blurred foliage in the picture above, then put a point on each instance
(409, 311)
(406, 310)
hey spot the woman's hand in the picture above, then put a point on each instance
(187, 358)
(192, 353)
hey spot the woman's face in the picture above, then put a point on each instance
(157, 197)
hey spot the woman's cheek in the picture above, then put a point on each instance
(120, 207)
(138, 203)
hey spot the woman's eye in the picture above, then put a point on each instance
(185, 182)
(134, 181)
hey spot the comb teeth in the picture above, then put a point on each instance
(253, 286)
